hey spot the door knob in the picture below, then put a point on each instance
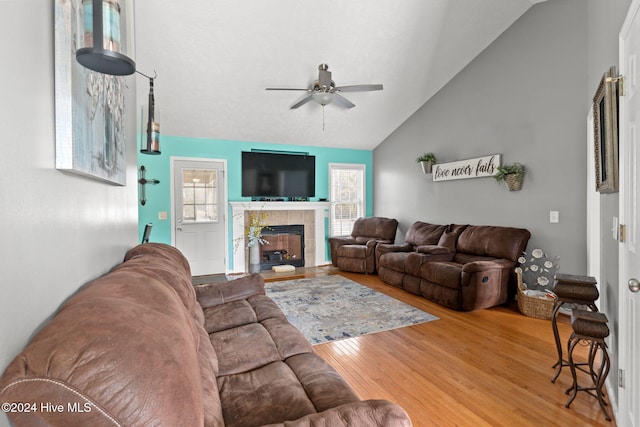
(634, 285)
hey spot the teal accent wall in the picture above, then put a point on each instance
(158, 167)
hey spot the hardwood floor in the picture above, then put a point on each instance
(482, 368)
(487, 367)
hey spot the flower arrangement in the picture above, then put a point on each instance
(538, 270)
(253, 230)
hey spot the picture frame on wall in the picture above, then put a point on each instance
(605, 132)
(90, 106)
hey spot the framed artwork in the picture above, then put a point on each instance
(90, 107)
(605, 132)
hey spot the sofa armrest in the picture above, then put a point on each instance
(485, 269)
(477, 266)
(433, 250)
(212, 294)
(335, 242)
(366, 413)
(383, 248)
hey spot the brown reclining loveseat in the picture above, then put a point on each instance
(463, 267)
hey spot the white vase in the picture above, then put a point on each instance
(254, 258)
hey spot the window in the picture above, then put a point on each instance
(347, 191)
(199, 195)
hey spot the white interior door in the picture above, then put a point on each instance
(629, 272)
(200, 214)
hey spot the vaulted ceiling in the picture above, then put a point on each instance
(214, 59)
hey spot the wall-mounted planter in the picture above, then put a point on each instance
(426, 166)
(512, 181)
(427, 160)
(512, 175)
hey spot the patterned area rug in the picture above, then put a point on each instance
(333, 307)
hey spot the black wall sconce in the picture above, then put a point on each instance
(108, 37)
(142, 182)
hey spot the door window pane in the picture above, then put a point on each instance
(199, 194)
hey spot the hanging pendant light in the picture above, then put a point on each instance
(153, 127)
(107, 43)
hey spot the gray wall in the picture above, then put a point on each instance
(523, 97)
(58, 231)
(526, 97)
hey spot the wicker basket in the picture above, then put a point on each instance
(540, 308)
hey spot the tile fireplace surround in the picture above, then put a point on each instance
(311, 214)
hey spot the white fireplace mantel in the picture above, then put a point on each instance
(320, 209)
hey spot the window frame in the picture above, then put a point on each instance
(362, 204)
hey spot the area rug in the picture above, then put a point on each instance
(330, 308)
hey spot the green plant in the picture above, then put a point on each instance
(427, 157)
(515, 168)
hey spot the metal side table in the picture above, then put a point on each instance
(571, 289)
(590, 327)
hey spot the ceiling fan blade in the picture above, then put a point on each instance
(357, 88)
(301, 102)
(342, 101)
(286, 88)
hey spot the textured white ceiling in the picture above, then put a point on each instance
(214, 59)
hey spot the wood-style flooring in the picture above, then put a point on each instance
(488, 367)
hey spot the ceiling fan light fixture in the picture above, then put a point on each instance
(322, 98)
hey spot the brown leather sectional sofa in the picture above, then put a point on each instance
(141, 346)
(463, 267)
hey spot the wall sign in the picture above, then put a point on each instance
(479, 167)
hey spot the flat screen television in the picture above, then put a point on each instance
(274, 175)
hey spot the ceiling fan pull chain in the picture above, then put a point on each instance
(323, 118)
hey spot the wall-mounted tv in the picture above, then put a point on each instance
(278, 175)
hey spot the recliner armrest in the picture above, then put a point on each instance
(335, 242)
(476, 266)
(212, 294)
(433, 250)
(390, 247)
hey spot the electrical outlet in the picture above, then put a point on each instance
(554, 217)
(162, 215)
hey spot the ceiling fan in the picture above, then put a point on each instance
(324, 90)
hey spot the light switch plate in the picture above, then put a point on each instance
(554, 217)
(162, 215)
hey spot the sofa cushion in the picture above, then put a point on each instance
(211, 294)
(423, 233)
(266, 395)
(443, 273)
(394, 260)
(449, 237)
(493, 241)
(229, 315)
(380, 227)
(243, 348)
(352, 251)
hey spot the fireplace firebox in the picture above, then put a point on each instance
(285, 245)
